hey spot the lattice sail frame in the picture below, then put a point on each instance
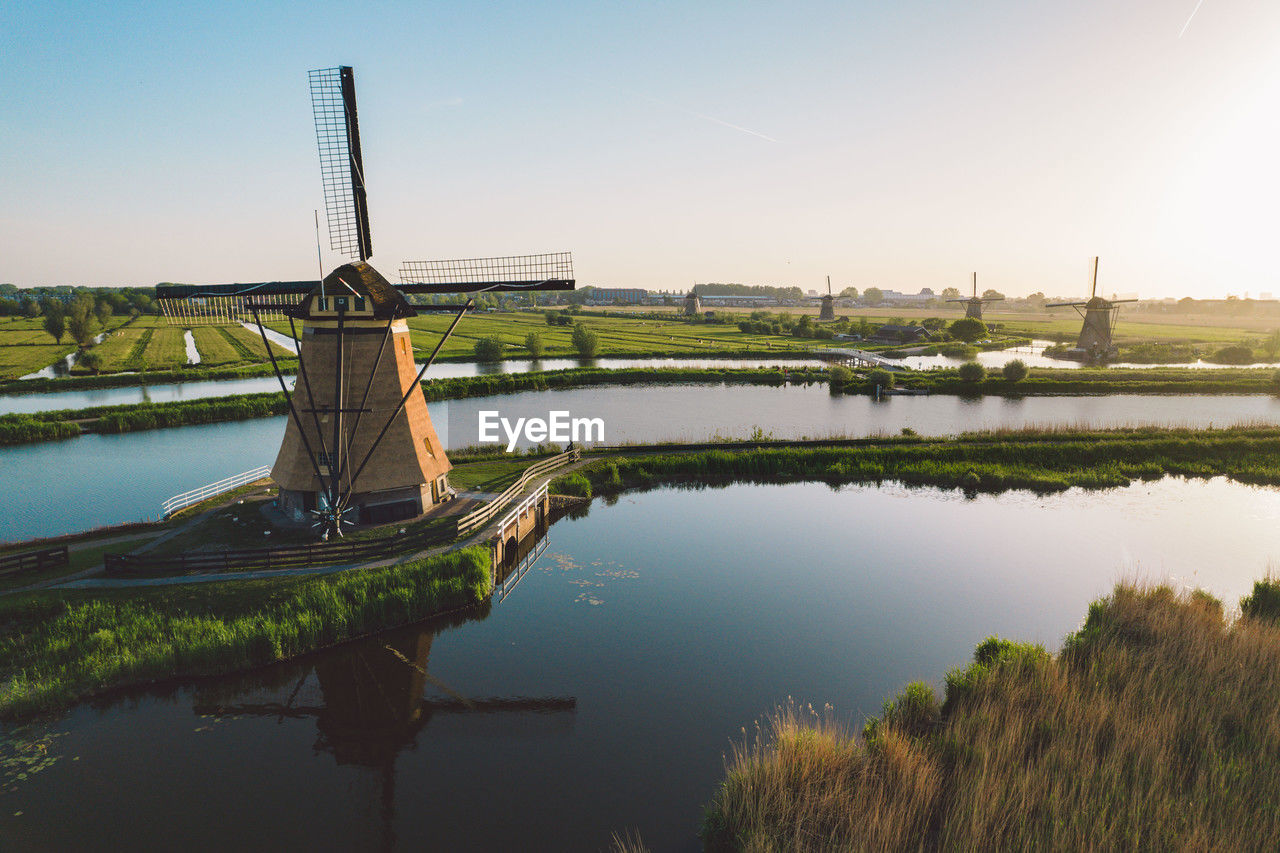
(477, 275)
(346, 207)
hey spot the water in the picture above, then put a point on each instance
(111, 479)
(169, 392)
(193, 354)
(638, 658)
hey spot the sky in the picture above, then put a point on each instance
(897, 145)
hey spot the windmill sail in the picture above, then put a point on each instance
(346, 204)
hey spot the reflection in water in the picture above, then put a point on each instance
(369, 702)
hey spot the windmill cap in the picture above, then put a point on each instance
(359, 277)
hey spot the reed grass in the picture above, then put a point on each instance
(58, 647)
(1156, 727)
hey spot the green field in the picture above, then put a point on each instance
(26, 347)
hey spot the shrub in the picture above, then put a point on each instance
(1015, 371)
(838, 376)
(968, 329)
(585, 341)
(533, 343)
(90, 361)
(880, 377)
(1264, 602)
(575, 484)
(972, 371)
(1233, 355)
(490, 349)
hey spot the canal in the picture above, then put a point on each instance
(97, 480)
(603, 693)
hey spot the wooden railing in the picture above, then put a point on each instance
(284, 557)
(30, 561)
(473, 521)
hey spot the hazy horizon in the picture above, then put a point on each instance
(897, 147)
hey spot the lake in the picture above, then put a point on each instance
(603, 693)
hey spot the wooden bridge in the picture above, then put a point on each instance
(857, 358)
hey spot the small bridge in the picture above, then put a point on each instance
(857, 358)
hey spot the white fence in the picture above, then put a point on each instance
(195, 496)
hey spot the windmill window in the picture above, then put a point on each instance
(326, 460)
(359, 303)
(340, 303)
(322, 303)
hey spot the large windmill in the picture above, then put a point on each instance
(359, 441)
(1099, 317)
(828, 310)
(973, 304)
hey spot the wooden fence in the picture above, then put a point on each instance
(32, 561)
(473, 521)
(284, 557)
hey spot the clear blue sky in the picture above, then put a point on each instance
(899, 145)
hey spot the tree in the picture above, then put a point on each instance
(972, 371)
(490, 349)
(81, 329)
(1014, 371)
(90, 360)
(968, 329)
(103, 312)
(873, 296)
(880, 378)
(585, 341)
(55, 323)
(551, 317)
(1271, 345)
(849, 293)
(992, 294)
(950, 293)
(533, 343)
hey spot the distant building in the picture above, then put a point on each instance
(618, 296)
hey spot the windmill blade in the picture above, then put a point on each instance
(510, 274)
(1120, 301)
(1067, 304)
(346, 206)
(261, 288)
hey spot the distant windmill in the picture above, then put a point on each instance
(359, 439)
(828, 311)
(973, 304)
(1099, 322)
(692, 304)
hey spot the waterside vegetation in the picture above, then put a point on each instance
(1155, 727)
(59, 646)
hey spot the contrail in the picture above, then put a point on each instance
(1193, 14)
(706, 117)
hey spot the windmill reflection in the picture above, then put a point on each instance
(375, 703)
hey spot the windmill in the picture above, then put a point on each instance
(359, 440)
(692, 304)
(828, 311)
(973, 304)
(1099, 317)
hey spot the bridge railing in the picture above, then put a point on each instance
(476, 519)
(203, 493)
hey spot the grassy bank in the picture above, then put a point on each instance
(68, 423)
(150, 377)
(57, 647)
(1039, 460)
(1050, 381)
(1156, 727)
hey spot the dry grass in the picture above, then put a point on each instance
(1157, 727)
